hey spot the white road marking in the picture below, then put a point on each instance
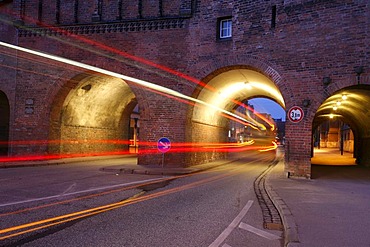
(232, 225)
(78, 192)
(226, 245)
(69, 188)
(259, 232)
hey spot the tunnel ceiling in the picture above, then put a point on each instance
(350, 105)
(97, 102)
(237, 84)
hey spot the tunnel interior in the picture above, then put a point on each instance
(347, 111)
(95, 117)
(226, 89)
(4, 124)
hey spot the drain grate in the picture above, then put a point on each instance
(271, 216)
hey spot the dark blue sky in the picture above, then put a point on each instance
(263, 105)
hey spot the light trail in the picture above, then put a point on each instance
(269, 148)
(175, 148)
(124, 77)
(131, 57)
(42, 224)
(134, 186)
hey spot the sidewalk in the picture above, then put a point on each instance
(331, 209)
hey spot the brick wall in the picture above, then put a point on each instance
(310, 40)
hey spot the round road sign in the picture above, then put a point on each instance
(295, 114)
(164, 144)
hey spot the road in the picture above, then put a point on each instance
(79, 205)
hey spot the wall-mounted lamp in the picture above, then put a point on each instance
(359, 70)
(326, 81)
(87, 87)
(306, 102)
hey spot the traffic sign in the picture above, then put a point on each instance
(164, 144)
(295, 114)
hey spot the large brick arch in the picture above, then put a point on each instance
(209, 71)
(219, 65)
(94, 124)
(57, 97)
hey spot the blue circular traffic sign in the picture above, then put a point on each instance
(164, 144)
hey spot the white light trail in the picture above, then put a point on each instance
(124, 77)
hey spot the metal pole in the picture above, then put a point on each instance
(162, 160)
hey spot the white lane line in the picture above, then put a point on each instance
(259, 232)
(78, 192)
(232, 225)
(69, 188)
(226, 245)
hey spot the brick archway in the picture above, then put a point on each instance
(90, 115)
(216, 132)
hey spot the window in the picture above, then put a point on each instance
(225, 28)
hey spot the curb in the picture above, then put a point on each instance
(168, 171)
(52, 162)
(290, 228)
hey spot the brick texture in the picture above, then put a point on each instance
(310, 40)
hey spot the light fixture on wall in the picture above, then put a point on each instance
(359, 70)
(326, 81)
(86, 87)
(306, 102)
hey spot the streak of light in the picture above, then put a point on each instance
(176, 148)
(124, 77)
(132, 57)
(136, 186)
(42, 224)
(270, 148)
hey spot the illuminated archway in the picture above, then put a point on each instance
(349, 106)
(94, 116)
(226, 89)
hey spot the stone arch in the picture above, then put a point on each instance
(219, 65)
(4, 124)
(216, 132)
(352, 111)
(90, 115)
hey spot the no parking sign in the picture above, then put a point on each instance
(295, 114)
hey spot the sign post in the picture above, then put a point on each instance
(295, 114)
(163, 145)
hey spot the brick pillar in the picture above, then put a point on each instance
(298, 149)
(161, 117)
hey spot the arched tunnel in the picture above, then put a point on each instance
(226, 89)
(95, 112)
(348, 108)
(94, 117)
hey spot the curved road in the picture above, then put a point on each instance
(82, 206)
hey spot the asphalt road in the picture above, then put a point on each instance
(83, 206)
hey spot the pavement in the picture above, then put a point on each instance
(330, 209)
